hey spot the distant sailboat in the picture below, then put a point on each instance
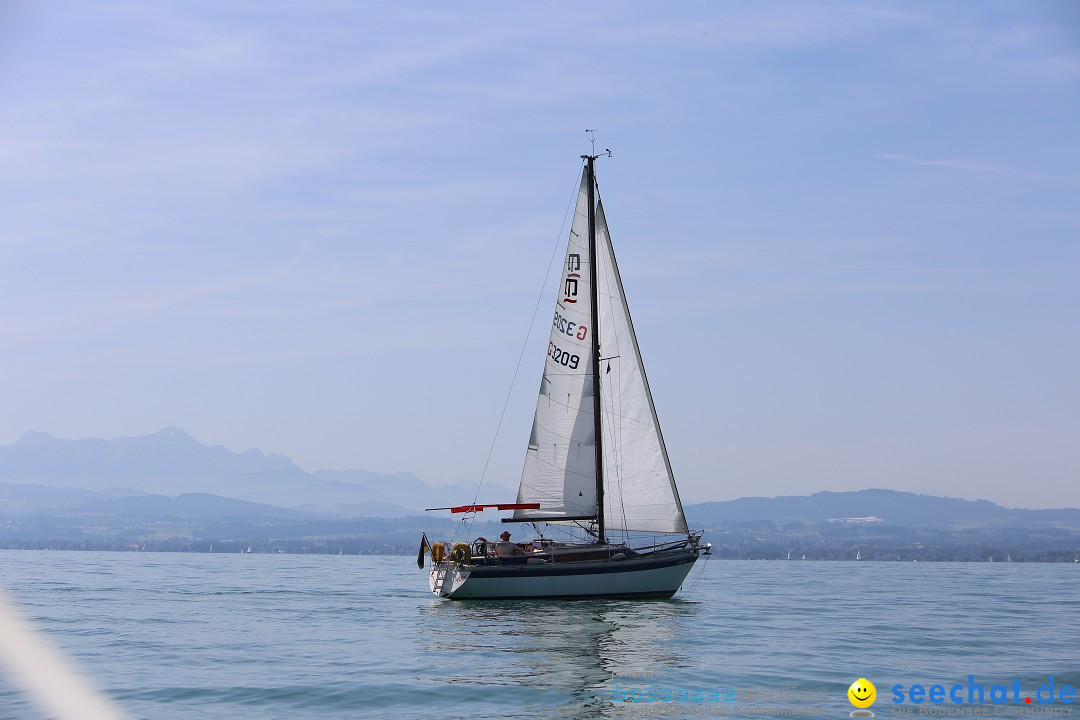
(596, 459)
(804, 556)
(858, 554)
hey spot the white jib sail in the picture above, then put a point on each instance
(639, 488)
(560, 464)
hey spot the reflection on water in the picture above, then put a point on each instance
(576, 648)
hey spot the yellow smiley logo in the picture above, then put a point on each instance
(862, 693)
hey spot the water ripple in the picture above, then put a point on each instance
(278, 636)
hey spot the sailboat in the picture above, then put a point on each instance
(597, 486)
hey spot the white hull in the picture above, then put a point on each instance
(637, 577)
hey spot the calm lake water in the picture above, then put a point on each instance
(288, 636)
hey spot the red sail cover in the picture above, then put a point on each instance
(500, 506)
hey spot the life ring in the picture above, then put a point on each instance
(437, 552)
(461, 554)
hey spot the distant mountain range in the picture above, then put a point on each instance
(42, 473)
(887, 506)
(169, 492)
(170, 474)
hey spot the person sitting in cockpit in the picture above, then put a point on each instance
(505, 548)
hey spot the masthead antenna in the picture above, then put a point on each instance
(592, 141)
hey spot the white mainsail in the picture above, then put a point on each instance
(560, 464)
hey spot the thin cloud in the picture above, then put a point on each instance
(981, 168)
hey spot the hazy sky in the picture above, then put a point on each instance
(850, 232)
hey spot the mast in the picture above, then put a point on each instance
(597, 429)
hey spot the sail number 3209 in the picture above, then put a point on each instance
(562, 357)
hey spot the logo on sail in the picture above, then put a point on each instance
(570, 287)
